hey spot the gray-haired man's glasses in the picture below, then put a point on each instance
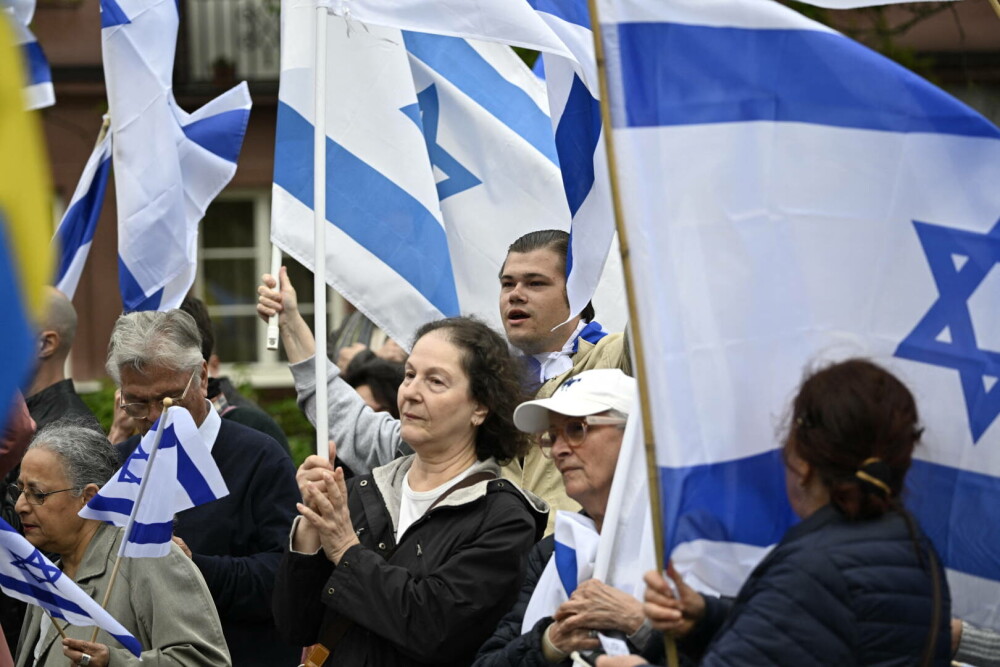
(140, 409)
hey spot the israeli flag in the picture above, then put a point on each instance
(572, 563)
(560, 29)
(38, 91)
(27, 575)
(793, 198)
(439, 155)
(163, 476)
(169, 165)
(75, 232)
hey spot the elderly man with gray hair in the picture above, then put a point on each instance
(236, 541)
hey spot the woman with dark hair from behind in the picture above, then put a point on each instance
(856, 582)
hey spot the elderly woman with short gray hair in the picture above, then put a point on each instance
(163, 602)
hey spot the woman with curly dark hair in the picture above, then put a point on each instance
(415, 563)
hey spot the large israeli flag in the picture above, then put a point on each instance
(75, 232)
(27, 575)
(169, 165)
(439, 154)
(792, 197)
(38, 90)
(162, 477)
(560, 29)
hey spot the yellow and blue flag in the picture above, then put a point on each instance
(25, 223)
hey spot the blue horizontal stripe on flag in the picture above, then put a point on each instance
(745, 501)
(221, 134)
(734, 501)
(191, 479)
(46, 597)
(151, 533)
(571, 11)
(675, 74)
(101, 503)
(129, 642)
(951, 505)
(455, 60)
(370, 208)
(38, 65)
(80, 221)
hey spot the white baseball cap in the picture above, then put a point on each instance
(585, 394)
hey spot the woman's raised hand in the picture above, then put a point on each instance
(324, 507)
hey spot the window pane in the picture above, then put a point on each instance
(228, 224)
(236, 338)
(302, 278)
(229, 281)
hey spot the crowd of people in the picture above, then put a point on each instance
(426, 536)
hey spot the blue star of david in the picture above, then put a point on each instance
(425, 113)
(126, 475)
(48, 573)
(976, 254)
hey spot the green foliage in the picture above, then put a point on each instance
(300, 433)
(102, 403)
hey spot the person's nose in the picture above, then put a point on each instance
(516, 294)
(22, 506)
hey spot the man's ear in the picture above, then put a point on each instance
(48, 343)
(203, 376)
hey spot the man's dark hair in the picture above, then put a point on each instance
(557, 241)
(195, 307)
(383, 377)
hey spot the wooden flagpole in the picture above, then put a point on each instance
(638, 348)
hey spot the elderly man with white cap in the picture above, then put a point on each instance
(580, 428)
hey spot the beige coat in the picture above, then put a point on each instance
(539, 474)
(163, 602)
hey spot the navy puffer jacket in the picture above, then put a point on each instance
(834, 592)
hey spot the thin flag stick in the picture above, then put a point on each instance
(272, 322)
(62, 633)
(638, 350)
(167, 402)
(319, 225)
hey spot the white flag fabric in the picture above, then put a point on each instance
(169, 165)
(38, 91)
(571, 564)
(792, 197)
(27, 575)
(182, 474)
(560, 29)
(626, 551)
(75, 232)
(439, 155)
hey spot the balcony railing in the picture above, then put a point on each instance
(225, 41)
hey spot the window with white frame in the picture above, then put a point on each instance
(235, 250)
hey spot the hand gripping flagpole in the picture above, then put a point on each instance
(633, 310)
(167, 402)
(319, 225)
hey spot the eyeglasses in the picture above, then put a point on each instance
(15, 491)
(140, 409)
(574, 431)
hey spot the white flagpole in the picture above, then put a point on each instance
(135, 507)
(272, 322)
(319, 221)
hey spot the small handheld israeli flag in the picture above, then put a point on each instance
(144, 497)
(27, 575)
